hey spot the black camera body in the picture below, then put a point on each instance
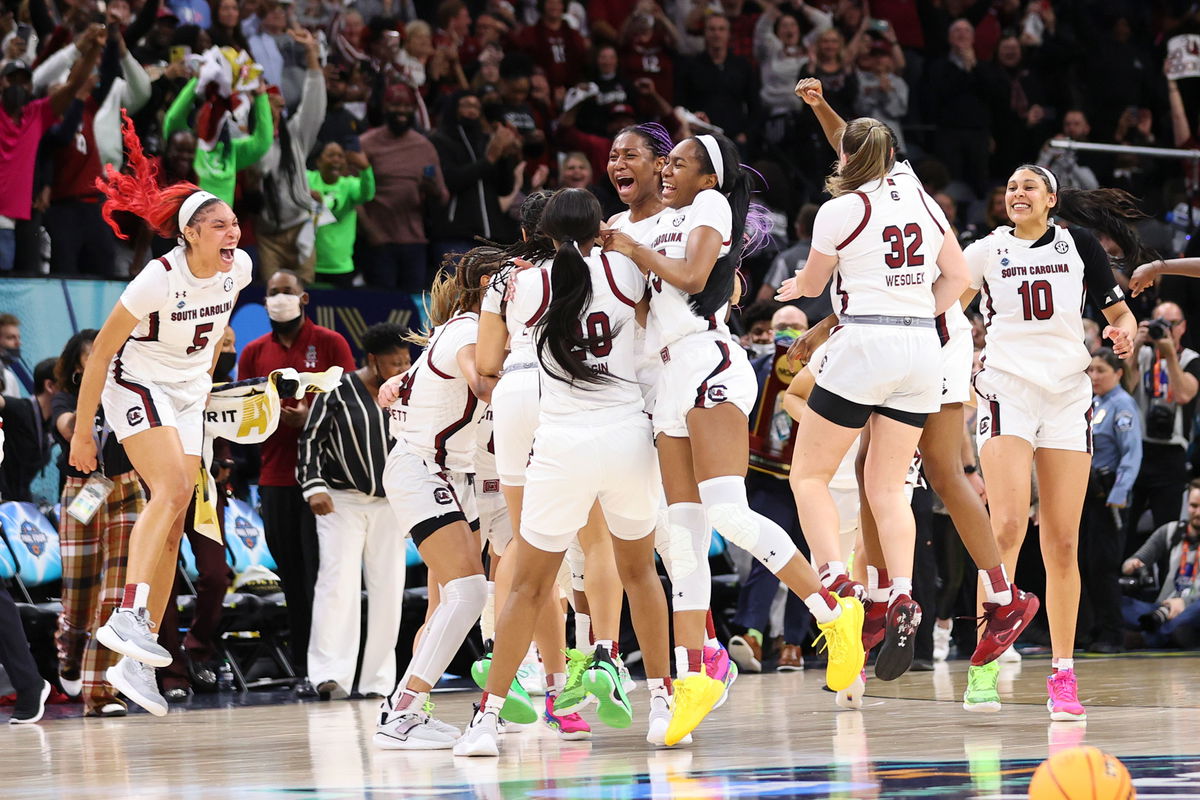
(1140, 582)
(1157, 329)
(1154, 620)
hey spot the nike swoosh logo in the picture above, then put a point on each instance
(1006, 637)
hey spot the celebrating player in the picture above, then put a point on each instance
(1035, 397)
(593, 443)
(151, 366)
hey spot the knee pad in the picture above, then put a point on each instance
(466, 596)
(736, 523)
(662, 539)
(575, 562)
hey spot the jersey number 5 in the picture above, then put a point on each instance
(1037, 302)
(899, 255)
(200, 337)
(596, 331)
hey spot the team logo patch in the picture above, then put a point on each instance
(1061, 247)
(229, 284)
(1124, 421)
(33, 539)
(245, 530)
(443, 496)
(718, 394)
(984, 424)
(310, 357)
(491, 486)
(134, 416)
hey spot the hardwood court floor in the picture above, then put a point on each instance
(779, 736)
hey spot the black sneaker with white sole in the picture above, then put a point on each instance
(30, 705)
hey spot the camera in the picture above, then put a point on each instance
(1154, 620)
(1157, 329)
(1140, 581)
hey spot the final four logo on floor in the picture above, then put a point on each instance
(33, 539)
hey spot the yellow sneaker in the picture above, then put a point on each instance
(843, 641)
(695, 696)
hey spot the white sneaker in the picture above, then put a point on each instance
(941, 642)
(128, 632)
(410, 730)
(851, 698)
(660, 718)
(444, 727)
(480, 738)
(531, 678)
(71, 688)
(1010, 656)
(136, 681)
(623, 671)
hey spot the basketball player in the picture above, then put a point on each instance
(1006, 609)
(593, 443)
(434, 408)
(151, 367)
(1035, 401)
(705, 391)
(879, 239)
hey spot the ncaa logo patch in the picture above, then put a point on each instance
(1004, 262)
(180, 304)
(718, 394)
(134, 416)
(229, 284)
(33, 539)
(443, 496)
(1061, 247)
(246, 531)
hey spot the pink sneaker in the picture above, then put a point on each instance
(1064, 705)
(570, 727)
(716, 663)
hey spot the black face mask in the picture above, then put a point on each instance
(471, 127)
(286, 328)
(399, 124)
(225, 364)
(15, 98)
(10, 355)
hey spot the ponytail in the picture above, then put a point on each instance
(1108, 211)
(457, 287)
(137, 191)
(870, 150)
(534, 245)
(571, 216)
(749, 230)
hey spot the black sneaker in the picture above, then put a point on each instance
(30, 705)
(899, 639)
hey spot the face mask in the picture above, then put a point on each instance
(787, 336)
(225, 364)
(283, 307)
(15, 98)
(758, 350)
(399, 124)
(10, 355)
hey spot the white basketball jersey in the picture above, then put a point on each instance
(617, 285)
(182, 318)
(671, 314)
(887, 236)
(520, 346)
(1032, 301)
(642, 232)
(485, 448)
(436, 413)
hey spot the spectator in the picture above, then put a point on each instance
(718, 86)
(27, 435)
(1021, 116)
(1065, 163)
(516, 79)
(418, 47)
(280, 55)
(829, 64)
(17, 660)
(408, 179)
(742, 25)
(478, 170)
(23, 120)
(15, 380)
(1171, 552)
(648, 43)
(1164, 383)
(882, 93)
(284, 232)
(554, 46)
(341, 125)
(94, 552)
(226, 30)
(340, 468)
(340, 195)
(782, 57)
(297, 342)
(1117, 439)
(960, 92)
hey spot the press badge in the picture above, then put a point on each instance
(90, 498)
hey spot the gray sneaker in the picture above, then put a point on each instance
(136, 681)
(481, 737)
(410, 730)
(128, 633)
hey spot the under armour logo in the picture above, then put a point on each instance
(180, 294)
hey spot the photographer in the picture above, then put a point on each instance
(1173, 550)
(1164, 385)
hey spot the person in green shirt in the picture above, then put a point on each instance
(220, 159)
(340, 194)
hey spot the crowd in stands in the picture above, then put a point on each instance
(362, 141)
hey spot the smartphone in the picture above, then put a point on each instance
(429, 172)
(180, 52)
(24, 32)
(878, 25)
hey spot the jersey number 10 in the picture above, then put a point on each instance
(1037, 302)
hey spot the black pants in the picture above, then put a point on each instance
(14, 647)
(925, 590)
(1159, 487)
(1101, 544)
(291, 533)
(80, 239)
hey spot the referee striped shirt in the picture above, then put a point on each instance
(345, 441)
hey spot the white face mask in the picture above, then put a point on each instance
(760, 349)
(283, 307)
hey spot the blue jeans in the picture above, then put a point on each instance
(777, 504)
(398, 266)
(1132, 609)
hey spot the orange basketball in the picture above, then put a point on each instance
(1081, 773)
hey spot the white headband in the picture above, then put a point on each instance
(714, 155)
(1050, 178)
(193, 202)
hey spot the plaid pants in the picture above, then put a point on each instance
(94, 557)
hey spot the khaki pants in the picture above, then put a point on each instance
(278, 251)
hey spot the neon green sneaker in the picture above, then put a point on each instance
(574, 696)
(517, 707)
(981, 693)
(603, 681)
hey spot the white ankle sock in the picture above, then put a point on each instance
(998, 596)
(1063, 664)
(820, 609)
(583, 632)
(493, 704)
(900, 586)
(831, 571)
